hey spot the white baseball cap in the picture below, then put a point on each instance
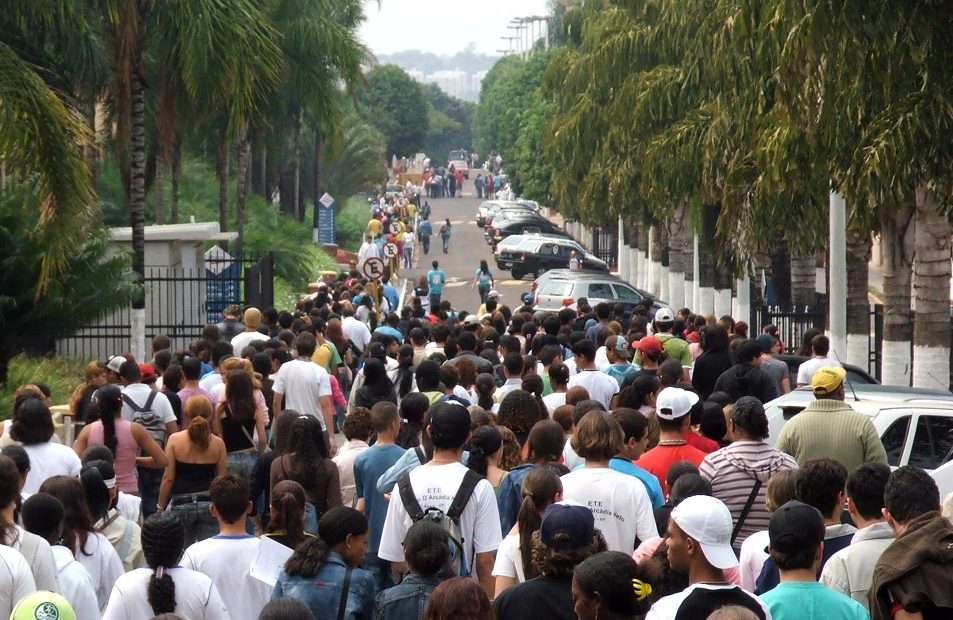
(673, 403)
(708, 521)
(664, 315)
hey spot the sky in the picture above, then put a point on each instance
(442, 27)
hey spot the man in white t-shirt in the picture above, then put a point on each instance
(435, 485)
(252, 319)
(699, 544)
(227, 557)
(601, 387)
(354, 330)
(306, 387)
(158, 413)
(821, 345)
(619, 502)
(16, 580)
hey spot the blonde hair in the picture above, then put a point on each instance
(238, 363)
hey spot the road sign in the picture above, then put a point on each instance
(390, 250)
(326, 215)
(373, 268)
(394, 228)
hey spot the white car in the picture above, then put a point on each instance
(914, 424)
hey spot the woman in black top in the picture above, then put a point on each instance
(377, 385)
(237, 421)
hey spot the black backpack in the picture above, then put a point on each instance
(449, 521)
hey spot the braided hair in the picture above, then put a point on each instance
(163, 539)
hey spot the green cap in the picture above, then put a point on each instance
(42, 605)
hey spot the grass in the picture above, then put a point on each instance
(61, 374)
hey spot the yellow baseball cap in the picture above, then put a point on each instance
(827, 379)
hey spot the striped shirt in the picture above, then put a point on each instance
(732, 472)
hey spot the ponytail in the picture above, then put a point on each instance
(287, 514)
(485, 441)
(109, 432)
(161, 592)
(198, 409)
(94, 476)
(539, 490)
(108, 400)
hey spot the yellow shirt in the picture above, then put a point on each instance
(374, 227)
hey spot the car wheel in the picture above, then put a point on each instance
(540, 271)
(517, 274)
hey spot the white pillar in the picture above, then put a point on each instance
(742, 310)
(837, 300)
(706, 300)
(622, 258)
(676, 289)
(137, 332)
(896, 364)
(857, 349)
(722, 305)
(663, 290)
(632, 255)
(651, 280)
(696, 289)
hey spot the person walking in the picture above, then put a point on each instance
(424, 231)
(445, 232)
(483, 280)
(436, 278)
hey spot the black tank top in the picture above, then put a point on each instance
(232, 434)
(192, 477)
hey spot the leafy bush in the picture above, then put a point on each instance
(61, 374)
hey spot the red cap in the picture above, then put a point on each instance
(649, 345)
(147, 371)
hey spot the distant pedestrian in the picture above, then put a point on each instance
(424, 231)
(483, 280)
(445, 232)
(436, 278)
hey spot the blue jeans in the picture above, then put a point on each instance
(149, 481)
(242, 463)
(310, 519)
(192, 511)
(484, 289)
(434, 301)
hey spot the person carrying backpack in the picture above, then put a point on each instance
(143, 405)
(448, 493)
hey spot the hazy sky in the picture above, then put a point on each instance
(441, 26)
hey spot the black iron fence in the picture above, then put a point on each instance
(605, 245)
(791, 323)
(179, 303)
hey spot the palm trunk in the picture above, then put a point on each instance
(706, 261)
(677, 225)
(137, 206)
(659, 260)
(316, 189)
(931, 285)
(244, 161)
(803, 280)
(632, 234)
(858, 308)
(175, 164)
(298, 211)
(897, 239)
(644, 265)
(223, 167)
(160, 190)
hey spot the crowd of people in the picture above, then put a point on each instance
(508, 464)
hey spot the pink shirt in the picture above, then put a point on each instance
(126, 451)
(337, 396)
(648, 548)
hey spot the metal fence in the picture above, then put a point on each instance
(179, 303)
(605, 245)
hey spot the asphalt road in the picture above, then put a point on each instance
(467, 248)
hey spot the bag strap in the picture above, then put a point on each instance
(409, 499)
(137, 408)
(126, 541)
(421, 454)
(462, 497)
(746, 510)
(342, 606)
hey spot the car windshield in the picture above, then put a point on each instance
(557, 288)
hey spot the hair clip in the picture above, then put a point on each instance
(642, 589)
(160, 571)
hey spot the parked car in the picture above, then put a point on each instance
(518, 221)
(489, 209)
(537, 254)
(914, 424)
(855, 374)
(563, 287)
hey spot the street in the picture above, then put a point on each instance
(467, 248)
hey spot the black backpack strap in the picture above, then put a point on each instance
(407, 497)
(135, 407)
(421, 454)
(745, 510)
(150, 400)
(342, 606)
(463, 494)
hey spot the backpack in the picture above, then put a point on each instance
(449, 521)
(148, 417)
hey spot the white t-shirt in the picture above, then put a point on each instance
(16, 580)
(102, 563)
(435, 486)
(601, 387)
(227, 560)
(618, 502)
(47, 460)
(139, 394)
(356, 331)
(509, 561)
(209, 381)
(75, 584)
(196, 597)
(602, 360)
(667, 606)
(752, 558)
(570, 459)
(242, 340)
(39, 556)
(807, 369)
(303, 383)
(556, 399)
(130, 507)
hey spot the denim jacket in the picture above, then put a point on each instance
(322, 592)
(407, 600)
